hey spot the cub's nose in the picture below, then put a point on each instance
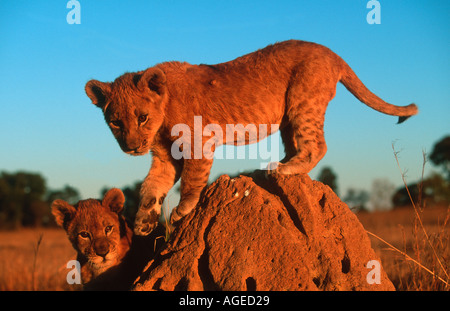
(101, 248)
(127, 149)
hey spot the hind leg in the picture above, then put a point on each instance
(307, 139)
(303, 136)
(287, 136)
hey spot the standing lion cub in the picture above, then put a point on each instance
(288, 84)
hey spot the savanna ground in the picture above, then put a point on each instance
(22, 268)
(428, 244)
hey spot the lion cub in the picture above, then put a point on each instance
(97, 231)
(288, 84)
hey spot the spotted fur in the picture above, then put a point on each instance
(288, 83)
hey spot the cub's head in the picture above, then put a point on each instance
(133, 106)
(96, 229)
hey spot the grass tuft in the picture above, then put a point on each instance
(430, 251)
(36, 250)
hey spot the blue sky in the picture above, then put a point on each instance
(49, 125)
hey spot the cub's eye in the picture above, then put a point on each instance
(142, 119)
(84, 234)
(108, 229)
(116, 124)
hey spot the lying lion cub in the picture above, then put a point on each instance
(97, 231)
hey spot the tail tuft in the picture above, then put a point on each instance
(412, 109)
(402, 119)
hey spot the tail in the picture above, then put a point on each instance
(351, 81)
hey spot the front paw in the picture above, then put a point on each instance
(145, 223)
(146, 218)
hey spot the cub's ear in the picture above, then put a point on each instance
(114, 199)
(153, 79)
(63, 212)
(97, 91)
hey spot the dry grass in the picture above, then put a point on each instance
(30, 263)
(401, 228)
(430, 251)
(21, 250)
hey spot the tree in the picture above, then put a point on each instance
(381, 194)
(401, 196)
(329, 178)
(68, 194)
(356, 199)
(433, 189)
(441, 155)
(21, 199)
(436, 188)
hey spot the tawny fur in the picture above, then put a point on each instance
(288, 83)
(97, 231)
